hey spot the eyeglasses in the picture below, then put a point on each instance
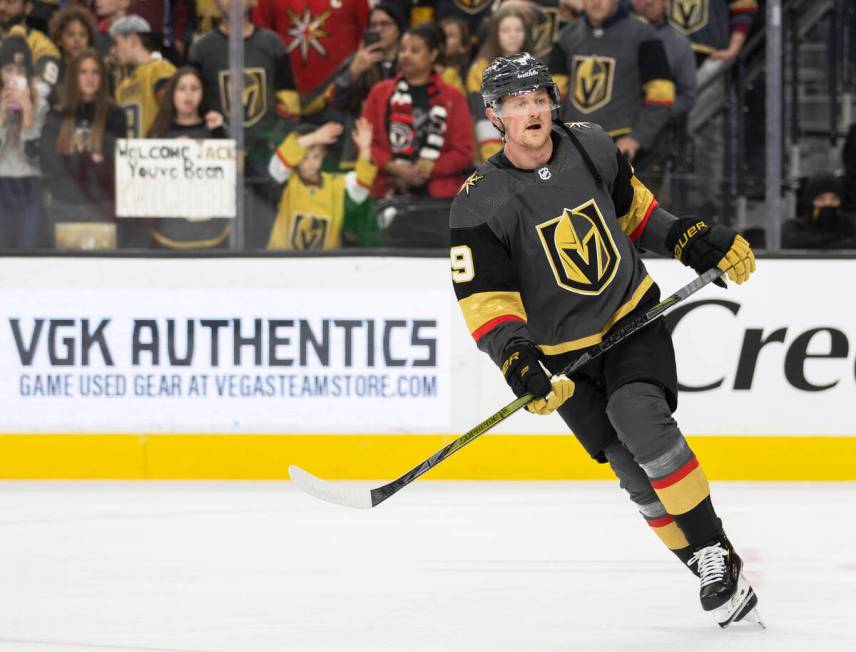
(381, 24)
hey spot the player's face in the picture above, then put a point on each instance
(415, 58)
(310, 167)
(511, 34)
(653, 11)
(187, 96)
(526, 118)
(74, 39)
(88, 79)
(598, 11)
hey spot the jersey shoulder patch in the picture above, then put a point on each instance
(583, 125)
(471, 182)
(480, 196)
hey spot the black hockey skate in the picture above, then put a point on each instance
(724, 589)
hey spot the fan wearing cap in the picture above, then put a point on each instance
(22, 114)
(139, 94)
(45, 55)
(545, 265)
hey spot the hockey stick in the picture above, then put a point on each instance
(355, 497)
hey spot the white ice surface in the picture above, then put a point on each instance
(441, 566)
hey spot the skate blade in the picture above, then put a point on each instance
(754, 618)
(747, 602)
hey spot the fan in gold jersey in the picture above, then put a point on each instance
(140, 92)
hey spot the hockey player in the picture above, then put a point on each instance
(545, 265)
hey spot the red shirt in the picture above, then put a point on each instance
(456, 156)
(319, 34)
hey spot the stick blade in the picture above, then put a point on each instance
(330, 492)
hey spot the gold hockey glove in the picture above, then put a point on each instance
(563, 389)
(703, 247)
(739, 261)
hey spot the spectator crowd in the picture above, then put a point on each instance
(348, 106)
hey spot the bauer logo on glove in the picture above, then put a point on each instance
(702, 247)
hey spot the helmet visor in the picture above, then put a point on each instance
(529, 102)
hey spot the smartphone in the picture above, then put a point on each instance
(370, 38)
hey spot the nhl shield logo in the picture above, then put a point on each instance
(309, 232)
(254, 96)
(688, 16)
(472, 6)
(580, 249)
(592, 82)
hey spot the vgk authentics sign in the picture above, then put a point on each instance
(263, 361)
(175, 178)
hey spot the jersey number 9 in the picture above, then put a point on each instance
(463, 270)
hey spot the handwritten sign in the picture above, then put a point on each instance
(194, 179)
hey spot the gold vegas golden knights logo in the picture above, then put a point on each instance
(688, 16)
(254, 97)
(309, 232)
(580, 249)
(472, 6)
(592, 82)
(544, 30)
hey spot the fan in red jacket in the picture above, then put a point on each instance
(422, 130)
(319, 35)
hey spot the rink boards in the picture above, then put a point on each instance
(359, 367)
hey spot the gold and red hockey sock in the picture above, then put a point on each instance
(685, 494)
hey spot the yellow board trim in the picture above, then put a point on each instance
(492, 457)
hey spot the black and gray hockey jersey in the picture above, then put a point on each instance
(269, 90)
(549, 255)
(616, 75)
(709, 23)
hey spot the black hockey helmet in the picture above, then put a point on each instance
(515, 75)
